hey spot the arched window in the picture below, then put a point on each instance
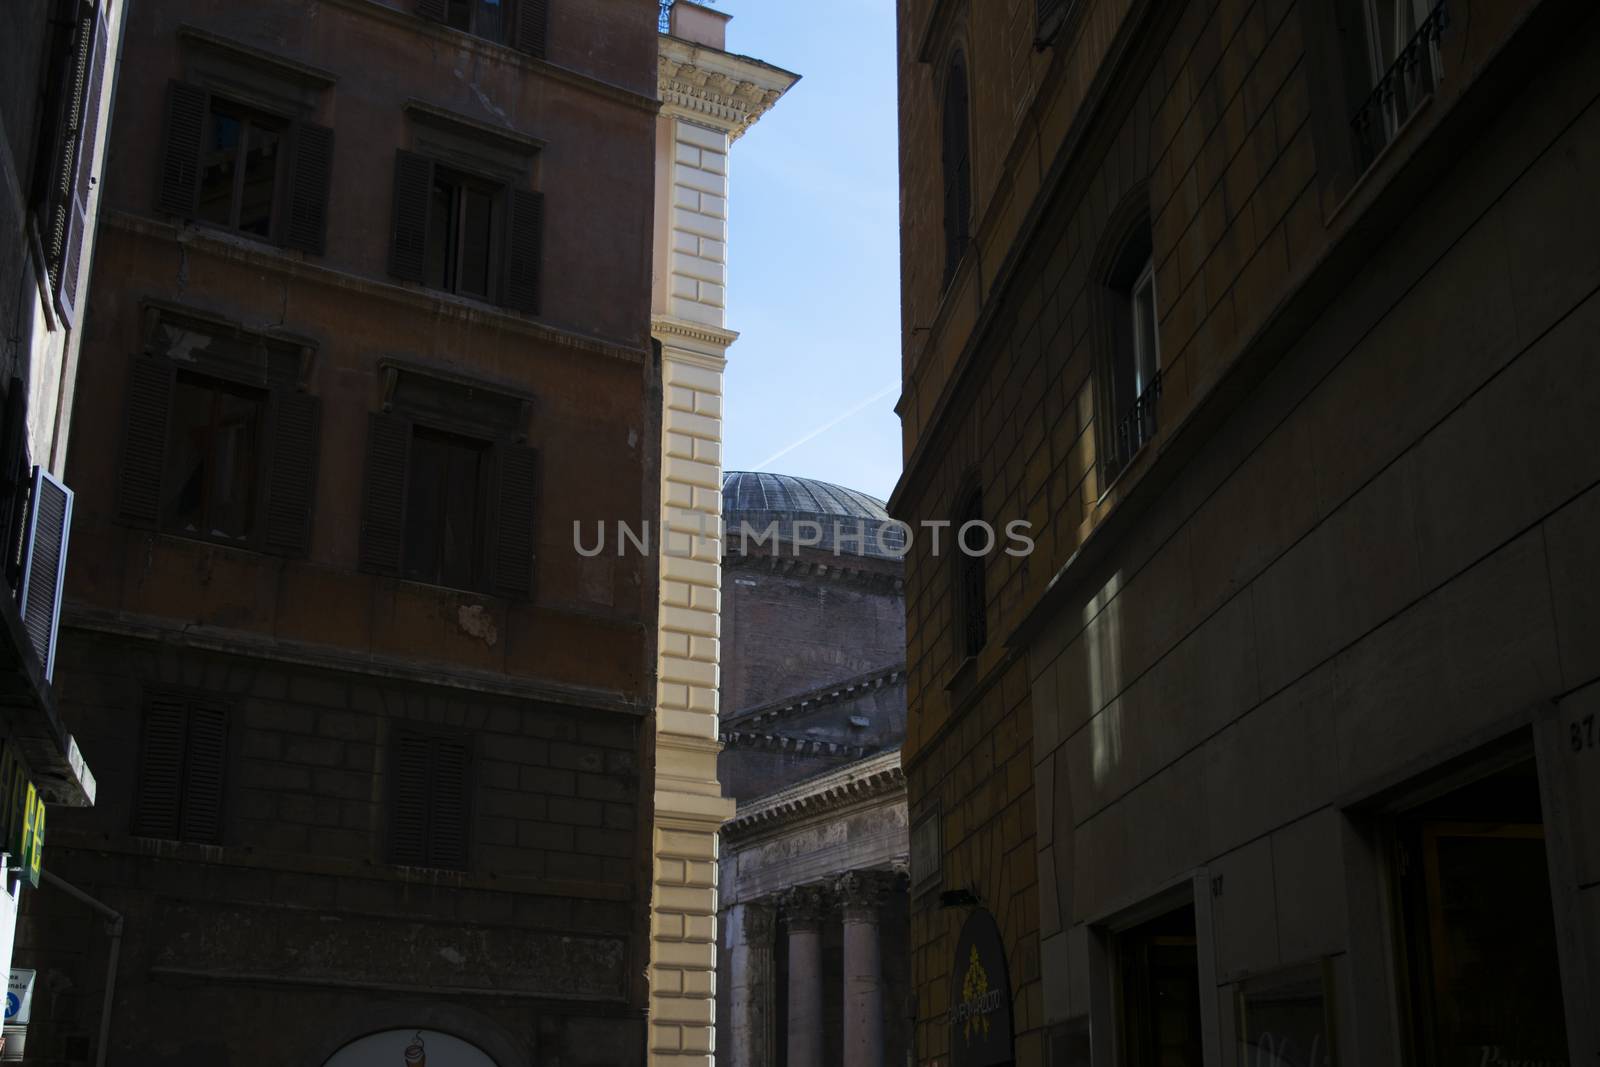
(1130, 363)
(957, 160)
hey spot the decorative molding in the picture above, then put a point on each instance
(804, 906)
(291, 264)
(760, 923)
(728, 91)
(799, 746)
(876, 776)
(505, 137)
(291, 70)
(862, 893)
(811, 700)
(710, 335)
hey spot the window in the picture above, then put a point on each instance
(971, 597)
(429, 801)
(1158, 992)
(464, 234)
(64, 177)
(519, 23)
(449, 496)
(246, 170)
(182, 768)
(219, 443)
(957, 168)
(1131, 363)
(241, 168)
(213, 457)
(1482, 990)
(1392, 64)
(444, 541)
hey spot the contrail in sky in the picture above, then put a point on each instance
(825, 427)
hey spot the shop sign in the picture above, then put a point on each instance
(980, 996)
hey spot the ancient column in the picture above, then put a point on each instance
(803, 908)
(860, 894)
(752, 984)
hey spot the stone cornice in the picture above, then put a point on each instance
(745, 720)
(871, 778)
(292, 264)
(719, 88)
(801, 567)
(800, 746)
(693, 331)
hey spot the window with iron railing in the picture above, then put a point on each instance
(1396, 53)
(1131, 362)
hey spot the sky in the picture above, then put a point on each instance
(813, 257)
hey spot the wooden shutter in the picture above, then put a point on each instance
(437, 10)
(144, 439)
(524, 249)
(447, 822)
(311, 170)
(516, 490)
(204, 772)
(157, 807)
(413, 185)
(187, 108)
(409, 809)
(44, 565)
(533, 21)
(383, 505)
(80, 134)
(292, 471)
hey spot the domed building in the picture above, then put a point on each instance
(813, 899)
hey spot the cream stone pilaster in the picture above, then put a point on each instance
(708, 98)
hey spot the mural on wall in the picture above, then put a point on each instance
(410, 1048)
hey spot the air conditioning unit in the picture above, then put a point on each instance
(44, 564)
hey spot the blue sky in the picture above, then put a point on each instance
(813, 272)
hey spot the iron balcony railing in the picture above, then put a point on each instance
(1410, 79)
(1137, 425)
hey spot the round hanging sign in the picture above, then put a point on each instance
(980, 996)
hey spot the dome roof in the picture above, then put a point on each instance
(802, 509)
(747, 492)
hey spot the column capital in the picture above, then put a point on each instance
(804, 907)
(760, 921)
(861, 893)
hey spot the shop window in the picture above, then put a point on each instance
(429, 801)
(1477, 925)
(1158, 992)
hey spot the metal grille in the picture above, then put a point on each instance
(1410, 79)
(1138, 424)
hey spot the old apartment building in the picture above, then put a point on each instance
(1277, 320)
(58, 64)
(374, 744)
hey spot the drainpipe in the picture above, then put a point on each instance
(114, 927)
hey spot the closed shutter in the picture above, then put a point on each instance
(408, 822)
(408, 246)
(70, 213)
(205, 761)
(310, 174)
(292, 471)
(447, 824)
(524, 249)
(383, 505)
(516, 488)
(187, 106)
(44, 565)
(437, 10)
(157, 807)
(144, 439)
(533, 21)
